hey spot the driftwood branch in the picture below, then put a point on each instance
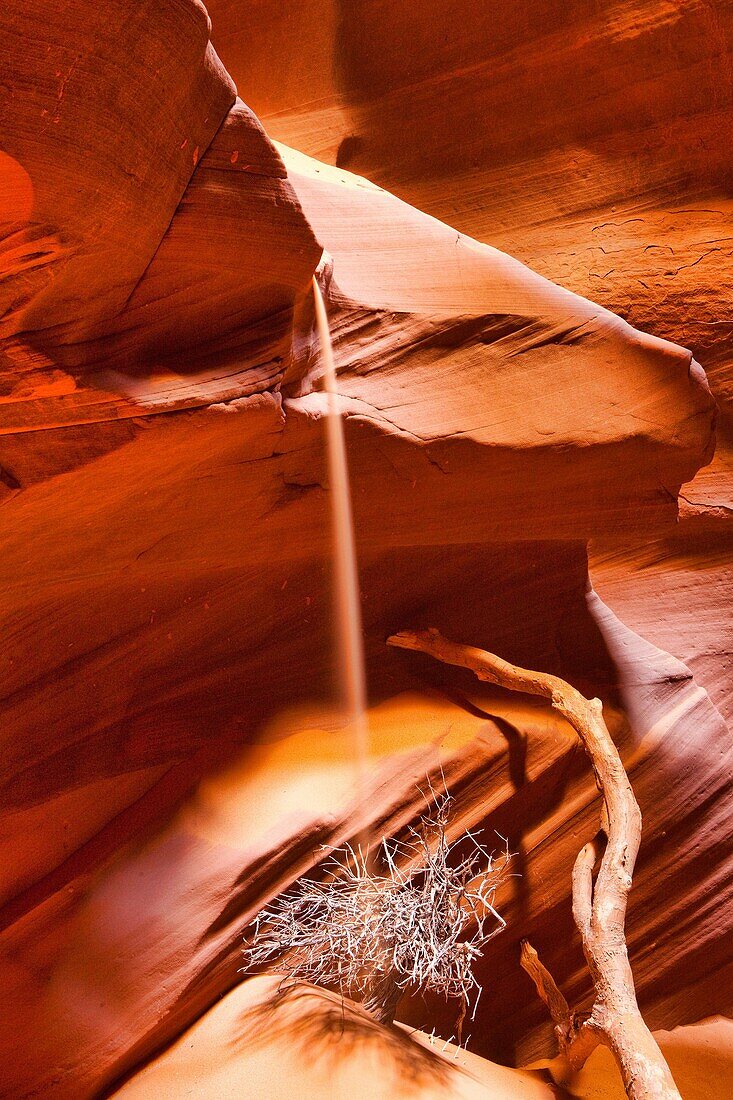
(599, 907)
(576, 1038)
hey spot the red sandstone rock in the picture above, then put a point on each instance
(108, 146)
(303, 1051)
(166, 579)
(593, 142)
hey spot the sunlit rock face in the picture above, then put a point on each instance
(302, 1050)
(165, 544)
(590, 141)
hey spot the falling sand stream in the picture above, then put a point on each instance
(349, 636)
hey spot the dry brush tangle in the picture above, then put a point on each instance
(599, 903)
(419, 921)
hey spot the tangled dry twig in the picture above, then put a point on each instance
(599, 898)
(420, 924)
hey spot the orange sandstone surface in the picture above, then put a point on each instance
(229, 1054)
(534, 470)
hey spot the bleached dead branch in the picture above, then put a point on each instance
(601, 881)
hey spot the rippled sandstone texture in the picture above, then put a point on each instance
(591, 141)
(165, 536)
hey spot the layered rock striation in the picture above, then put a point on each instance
(166, 556)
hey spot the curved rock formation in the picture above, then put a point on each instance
(302, 1051)
(165, 547)
(590, 141)
(301, 1046)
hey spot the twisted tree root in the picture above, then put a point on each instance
(599, 909)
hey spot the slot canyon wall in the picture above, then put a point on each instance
(540, 460)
